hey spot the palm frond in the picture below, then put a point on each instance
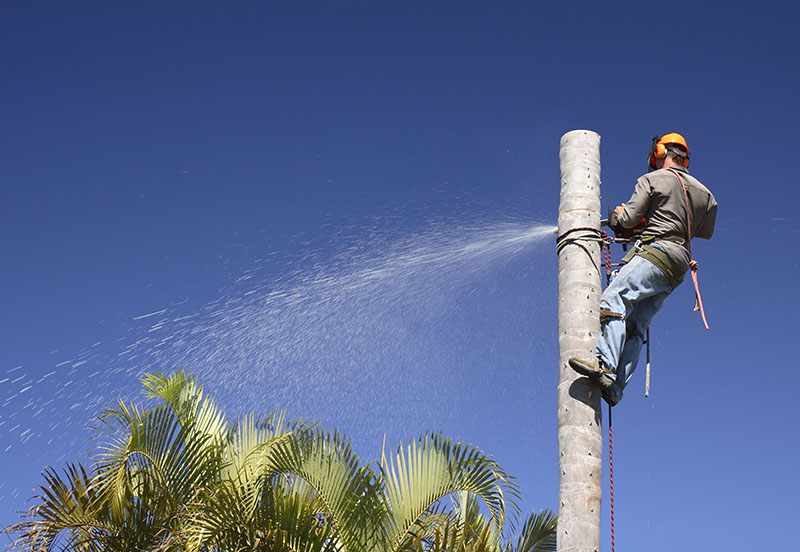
(204, 423)
(538, 533)
(349, 493)
(174, 475)
(286, 518)
(432, 468)
(71, 516)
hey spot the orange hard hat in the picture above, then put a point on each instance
(671, 141)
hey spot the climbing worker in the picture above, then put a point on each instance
(668, 208)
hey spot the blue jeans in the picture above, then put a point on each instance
(637, 292)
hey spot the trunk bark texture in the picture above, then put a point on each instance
(579, 415)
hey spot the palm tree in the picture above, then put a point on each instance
(178, 476)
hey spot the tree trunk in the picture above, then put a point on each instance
(579, 415)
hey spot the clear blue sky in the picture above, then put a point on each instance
(151, 154)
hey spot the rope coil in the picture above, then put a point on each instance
(591, 235)
(595, 235)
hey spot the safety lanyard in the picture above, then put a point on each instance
(698, 300)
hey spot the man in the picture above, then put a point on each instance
(668, 208)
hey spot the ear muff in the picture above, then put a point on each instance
(657, 151)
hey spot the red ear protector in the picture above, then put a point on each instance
(657, 151)
(662, 144)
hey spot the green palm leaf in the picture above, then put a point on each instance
(287, 518)
(349, 493)
(432, 468)
(71, 516)
(538, 533)
(174, 475)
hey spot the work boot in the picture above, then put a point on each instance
(612, 394)
(601, 375)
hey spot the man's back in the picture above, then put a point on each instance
(659, 198)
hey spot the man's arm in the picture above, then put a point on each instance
(629, 214)
(706, 229)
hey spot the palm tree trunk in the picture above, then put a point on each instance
(579, 417)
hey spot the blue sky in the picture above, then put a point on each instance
(152, 155)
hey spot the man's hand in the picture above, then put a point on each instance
(618, 210)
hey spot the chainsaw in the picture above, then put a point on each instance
(622, 234)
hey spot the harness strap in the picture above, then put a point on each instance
(660, 258)
(608, 314)
(698, 299)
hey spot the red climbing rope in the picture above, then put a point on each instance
(611, 475)
(698, 300)
(606, 248)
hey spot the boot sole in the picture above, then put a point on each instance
(584, 370)
(601, 378)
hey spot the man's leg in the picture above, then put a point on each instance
(615, 304)
(638, 322)
(637, 281)
(620, 298)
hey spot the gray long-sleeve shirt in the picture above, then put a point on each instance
(658, 196)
